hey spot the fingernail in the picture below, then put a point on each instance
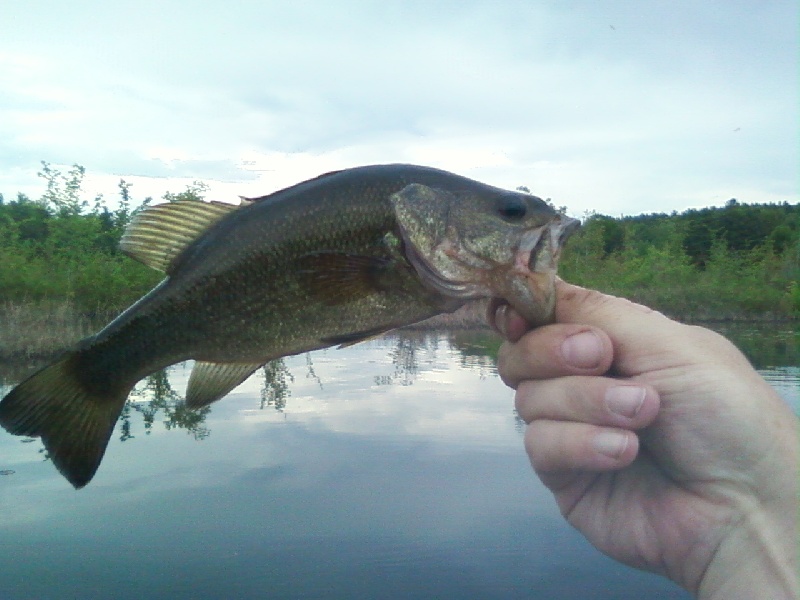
(625, 400)
(610, 443)
(582, 350)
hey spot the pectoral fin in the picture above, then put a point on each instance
(335, 278)
(211, 381)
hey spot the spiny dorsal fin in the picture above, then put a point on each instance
(159, 233)
(211, 381)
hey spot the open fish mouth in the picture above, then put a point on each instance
(530, 287)
(547, 244)
(567, 227)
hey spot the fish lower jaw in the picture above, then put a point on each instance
(531, 293)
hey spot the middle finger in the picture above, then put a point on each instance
(595, 400)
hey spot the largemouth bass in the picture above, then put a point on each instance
(333, 260)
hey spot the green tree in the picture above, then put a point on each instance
(63, 193)
(194, 191)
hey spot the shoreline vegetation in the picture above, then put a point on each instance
(32, 332)
(62, 277)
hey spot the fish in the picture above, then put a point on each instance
(331, 261)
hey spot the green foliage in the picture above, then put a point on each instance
(794, 294)
(733, 261)
(194, 191)
(63, 193)
(57, 248)
(791, 269)
(700, 264)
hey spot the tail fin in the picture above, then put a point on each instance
(75, 423)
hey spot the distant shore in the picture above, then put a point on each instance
(33, 332)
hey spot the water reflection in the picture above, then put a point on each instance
(391, 469)
(775, 351)
(155, 394)
(767, 345)
(404, 357)
(155, 399)
(277, 377)
(787, 381)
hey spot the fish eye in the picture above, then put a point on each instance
(511, 207)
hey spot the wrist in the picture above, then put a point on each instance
(757, 559)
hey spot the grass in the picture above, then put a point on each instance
(37, 330)
(753, 286)
(34, 330)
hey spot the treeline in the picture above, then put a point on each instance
(736, 261)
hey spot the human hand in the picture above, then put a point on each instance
(660, 442)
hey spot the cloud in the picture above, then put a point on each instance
(598, 106)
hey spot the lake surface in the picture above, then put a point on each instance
(390, 469)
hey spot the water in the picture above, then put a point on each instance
(391, 469)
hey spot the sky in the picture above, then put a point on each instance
(615, 107)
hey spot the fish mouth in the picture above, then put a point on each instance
(540, 251)
(527, 283)
(532, 291)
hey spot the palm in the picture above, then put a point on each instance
(637, 516)
(664, 507)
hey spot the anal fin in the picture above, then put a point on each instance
(211, 381)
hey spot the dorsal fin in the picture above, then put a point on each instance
(159, 233)
(292, 187)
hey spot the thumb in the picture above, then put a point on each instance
(575, 304)
(644, 339)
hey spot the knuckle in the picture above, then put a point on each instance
(522, 399)
(536, 449)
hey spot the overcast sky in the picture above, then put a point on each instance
(620, 107)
